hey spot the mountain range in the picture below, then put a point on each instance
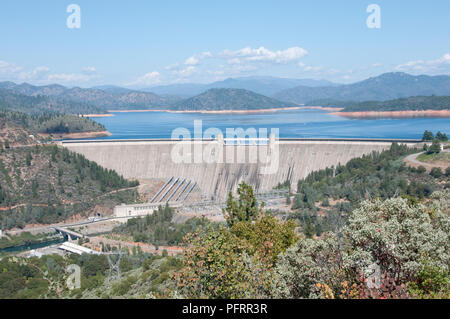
(102, 98)
(239, 93)
(387, 86)
(265, 85)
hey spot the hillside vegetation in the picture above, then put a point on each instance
(18, 102)
(50, 123)
(398, 246)
(48, 184)
(80, 100)
(158, 228)
(229, 99)
(22, 115)
(326, 196)
(414, 103)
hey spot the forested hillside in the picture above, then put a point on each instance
(17, 102)
(49, 123)
(413, 103)
(86, 101)
(48, 184)
(229, 99)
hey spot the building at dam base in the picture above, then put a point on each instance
(218, 167)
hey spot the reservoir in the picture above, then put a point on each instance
(291, 124)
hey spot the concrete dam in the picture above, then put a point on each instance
(218, 166)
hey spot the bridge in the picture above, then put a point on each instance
(67, 233)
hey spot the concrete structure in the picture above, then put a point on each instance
(135, 210)
(69, 234)
(218, 166)
(77, 249)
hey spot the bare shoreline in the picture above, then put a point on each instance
(78, 135)
(395, 114)
(332, 110)
(97, 115)
(335, 109)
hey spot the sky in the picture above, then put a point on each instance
(144, 43)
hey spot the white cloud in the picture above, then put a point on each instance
(196, 59)
(309, 68)
(441, 65)
(38, 73)
(188, 71)
(172, 66)
(147, 79)
(264, 55)
(89, 70)
(192, 61)
(9, 69)
(42, 74)
(69, 77)
(230, 63)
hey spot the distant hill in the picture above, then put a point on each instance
(415, 103)
(107, 98)
(21, 115)
(112, 89)
(387, 86)
(265, 85)
(183, 90)
(229, 99)
(19, 102)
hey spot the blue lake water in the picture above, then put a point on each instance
(292, 123)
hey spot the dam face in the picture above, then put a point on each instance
(218, 167)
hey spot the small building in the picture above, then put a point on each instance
(135, 210)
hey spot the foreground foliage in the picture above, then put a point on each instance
(408, 243)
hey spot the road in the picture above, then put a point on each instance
(412, 160)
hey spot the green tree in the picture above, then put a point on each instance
(441, 137)
(421, 169)
(245, 208)
(436, 172)
(28, 159)
(427, 136)
(435, 147)
(267, 237)
(218, 266)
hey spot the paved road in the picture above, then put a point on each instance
(412, 159)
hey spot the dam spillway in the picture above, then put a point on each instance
(217, 167)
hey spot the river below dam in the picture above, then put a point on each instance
(304, 123)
